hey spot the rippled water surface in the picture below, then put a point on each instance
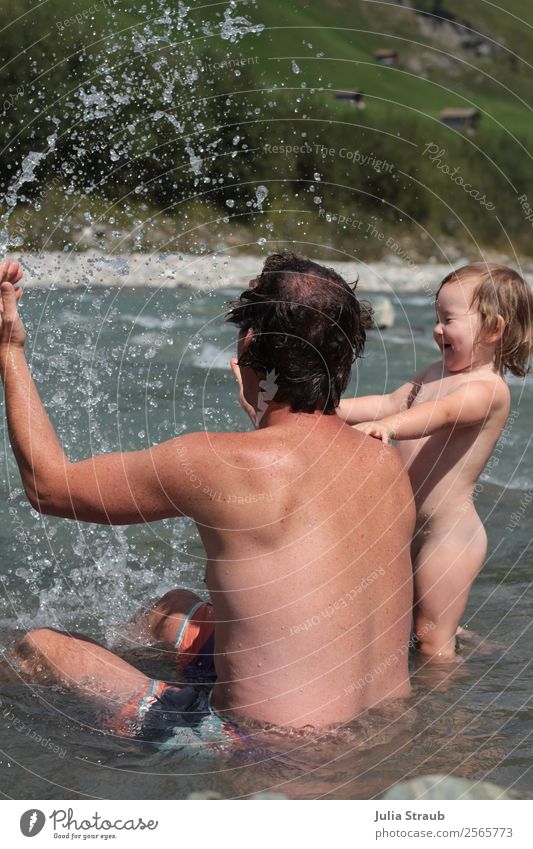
(124, 369)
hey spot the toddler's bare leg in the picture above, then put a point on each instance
(446, 566)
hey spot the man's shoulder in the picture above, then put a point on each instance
(381, 461)
(216, 447)
(390, 480)
(389, 461)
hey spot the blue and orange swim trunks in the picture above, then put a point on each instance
(182, 715)
(195, 645)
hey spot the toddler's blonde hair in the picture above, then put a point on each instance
(501, 291)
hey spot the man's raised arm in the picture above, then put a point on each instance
(137, 486)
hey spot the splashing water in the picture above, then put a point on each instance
(261, 194)
(231, 29)
(154, 65)
(137, 106)
(27, 175)
(195, 159)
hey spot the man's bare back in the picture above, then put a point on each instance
(306, 542)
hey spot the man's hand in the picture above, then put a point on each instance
(379, 430)
(11, 328)
(242, 400)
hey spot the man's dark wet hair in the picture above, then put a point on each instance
(308, 328)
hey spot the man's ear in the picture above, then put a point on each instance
(247, 339)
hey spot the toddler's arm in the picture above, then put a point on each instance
(369, 408)
(470, 404)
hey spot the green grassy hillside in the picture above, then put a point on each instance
(161, 112)
(434, 72)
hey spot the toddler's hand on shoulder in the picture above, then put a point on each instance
(378, 430)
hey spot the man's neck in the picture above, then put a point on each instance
(281, 414)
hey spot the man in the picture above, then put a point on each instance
(306, 525)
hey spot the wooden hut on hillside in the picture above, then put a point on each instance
(386, 56)
(461, 119)
(354, 98)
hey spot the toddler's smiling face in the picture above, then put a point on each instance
(457, 329)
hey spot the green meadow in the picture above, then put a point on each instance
(147, 104)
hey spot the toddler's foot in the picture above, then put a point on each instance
(475, 643)
(441, 648)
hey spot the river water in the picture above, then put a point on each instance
(124, 368)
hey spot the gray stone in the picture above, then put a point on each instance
(205, 794)
(268, 794)
(446, 787)
(383, 313)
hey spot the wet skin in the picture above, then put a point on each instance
(306, 525)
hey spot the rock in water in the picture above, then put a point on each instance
(383, 313)
(446, 787)
(205, 794)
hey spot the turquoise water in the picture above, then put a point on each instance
(122, 369)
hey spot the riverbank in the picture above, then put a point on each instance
(210, 272)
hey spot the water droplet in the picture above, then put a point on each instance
(261, 194)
